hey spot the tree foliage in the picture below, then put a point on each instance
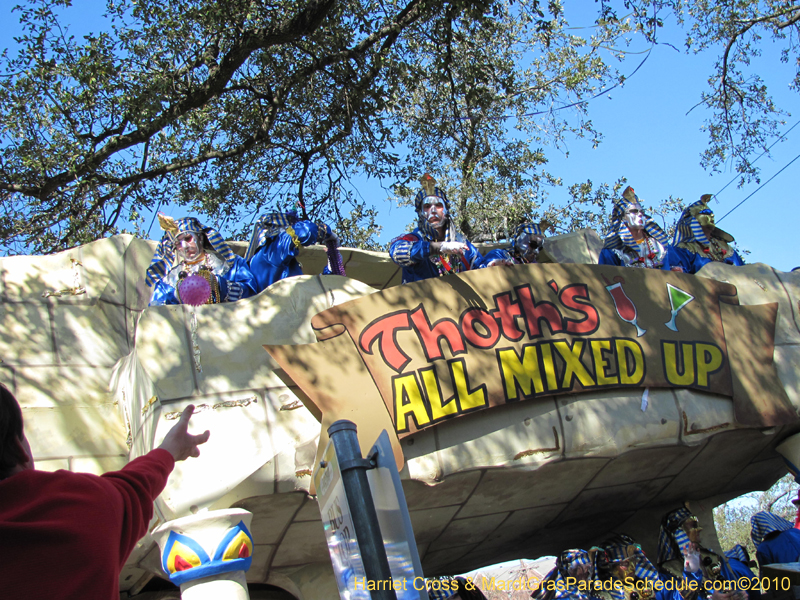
(506, 85)
(233, 108)
(744, 119)
(732, 520)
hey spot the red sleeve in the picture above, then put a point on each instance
(138, 484)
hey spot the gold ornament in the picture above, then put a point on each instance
(428, 184)
(167, 223)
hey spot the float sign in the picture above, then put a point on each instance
(340, 534)
(395, 523)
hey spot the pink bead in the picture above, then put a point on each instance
(194, 290)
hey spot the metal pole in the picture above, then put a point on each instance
(362, 509)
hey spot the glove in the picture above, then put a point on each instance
(499, 262)
(453, 248)
(691, 560)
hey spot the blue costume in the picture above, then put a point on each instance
(739, 566)
(621, 249)
(555, 586)
(228, 275)
(524, 249)
(691, 249)
(277, 239)
(776, 540)
(412, 251)
(673, 541)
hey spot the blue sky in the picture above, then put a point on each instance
(648, 138)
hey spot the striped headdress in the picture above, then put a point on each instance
(268, 226)
(164, 257)
(738, 552)
(521, 238)
(623, 547)
(763, 523)
(619, 236)
(567, 559)
(429, 189)
(529, 229)
(688, 228)
(672, 537)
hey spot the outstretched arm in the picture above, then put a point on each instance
(179, 442)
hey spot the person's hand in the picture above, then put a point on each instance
(179, 442)
(499, 262)
(452, 248)
(676, 269)
(691, 559)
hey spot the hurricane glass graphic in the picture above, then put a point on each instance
(677, 300)
(626, 309)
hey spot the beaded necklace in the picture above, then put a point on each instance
(715, 251)
(648, 251)
(445, 266)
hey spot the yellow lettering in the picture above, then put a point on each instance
(549, 367)
(671, 363)
(709, 360)
(628, 376)
(573, 367)
(524, 373)
(466, 399)
(601, 362)
(431, 383)
(408, 401)
(630, 584)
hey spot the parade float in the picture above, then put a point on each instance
(529, 408)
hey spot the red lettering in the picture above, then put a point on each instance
(479, 339)
(430, 335)
(386, 329)
(576, 297)
(534, 312)
(506, 313)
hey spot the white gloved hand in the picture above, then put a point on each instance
(453, 248)
(691, 560)
(499, 262)
(331, 238)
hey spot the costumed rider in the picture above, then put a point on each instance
(276, 242)
(634, 239)
(682, 555)
(740, 563)
(698, 241)
(433, 248)
(527, 242)
(775, 539)
(574, 577)
(625, 562)
(193, 265)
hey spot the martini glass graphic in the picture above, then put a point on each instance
(677, 300)
(626, 309)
